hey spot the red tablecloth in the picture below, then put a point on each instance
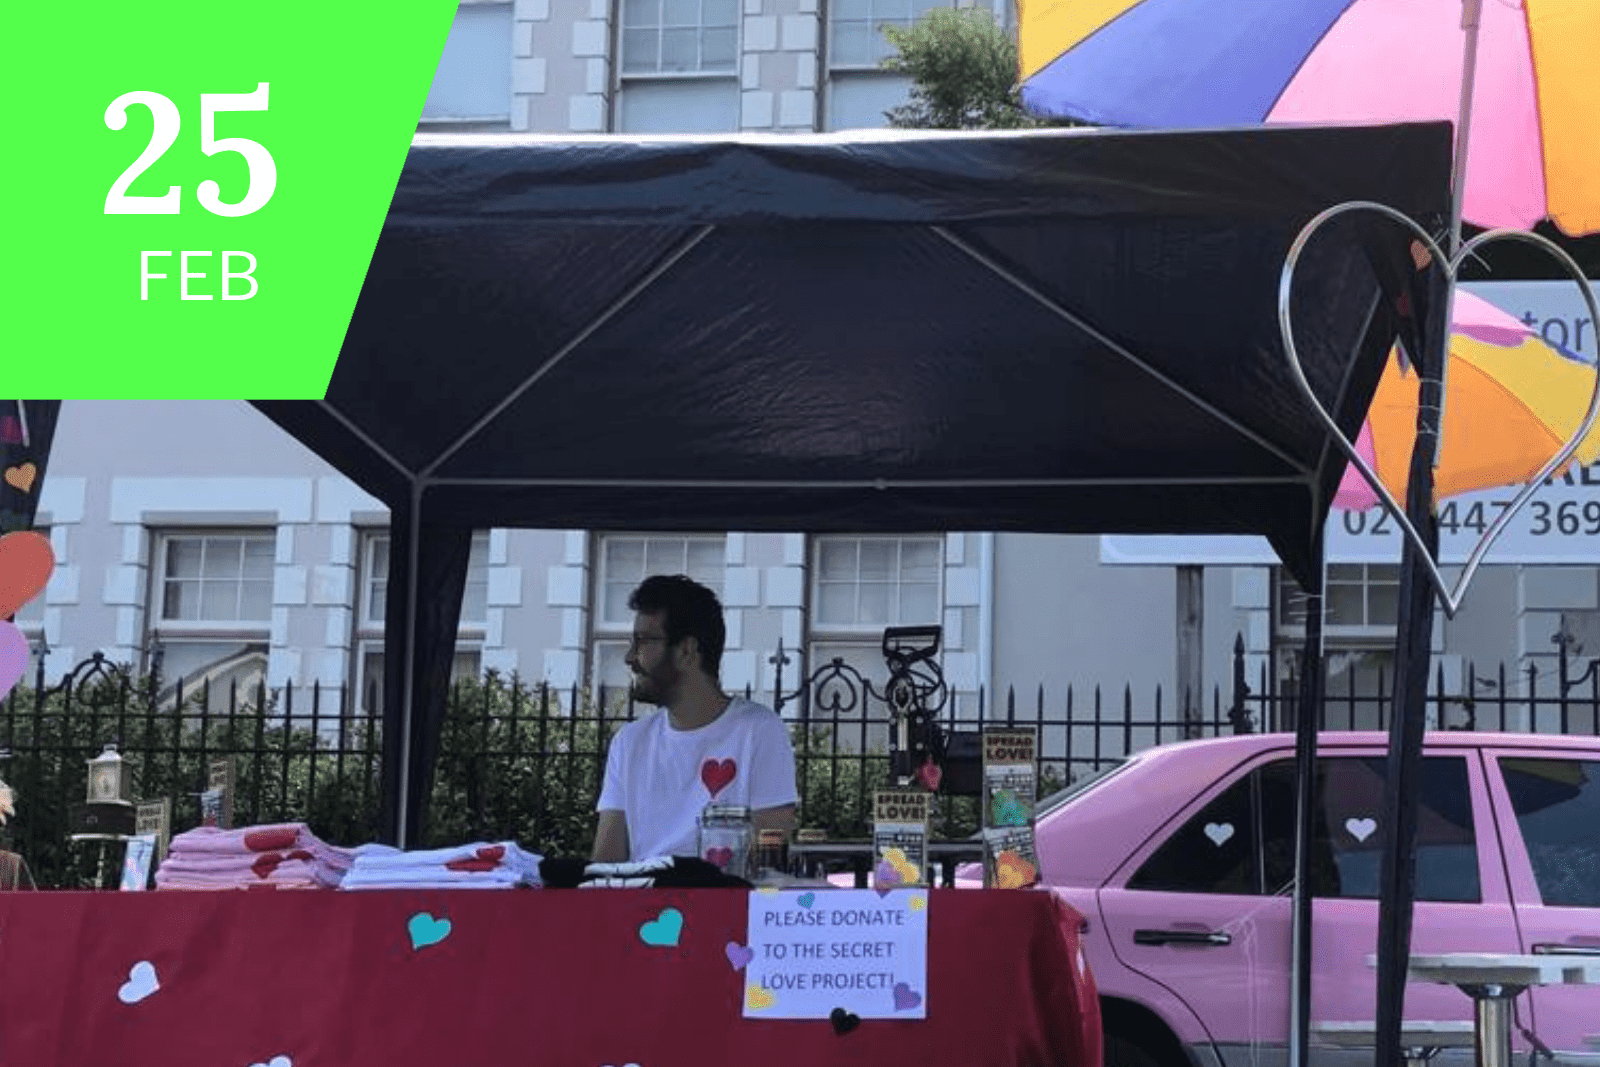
(559, 977)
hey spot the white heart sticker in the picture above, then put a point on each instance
(140, 984)
(276, 1061)
(1426, 252)
(1219, 832)
(1361, 829)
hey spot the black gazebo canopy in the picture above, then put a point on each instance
(1053, 331)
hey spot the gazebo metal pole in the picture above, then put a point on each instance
(1414, 636)
(1308, 720)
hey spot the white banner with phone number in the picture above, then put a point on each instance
(1560, 525)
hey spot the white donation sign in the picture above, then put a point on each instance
(813, 953)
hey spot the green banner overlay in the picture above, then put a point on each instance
(191, 192)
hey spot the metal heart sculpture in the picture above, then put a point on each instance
(1426, 252)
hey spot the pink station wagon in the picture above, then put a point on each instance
(1181, 857)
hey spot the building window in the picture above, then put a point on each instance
(625, 561)
(1361, 607)
(211, 611)
(1360, 598)
(679, 36)
(374, 602)
(855, 29)
(472, 85)
(860, 586)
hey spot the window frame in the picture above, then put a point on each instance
(163, 634)
(859, 633)
(368, 636)
(659, 26)
(614, 633)
(158, 623)
(874, 26)
(494, 122)
(1525, 883)
(1359, 634)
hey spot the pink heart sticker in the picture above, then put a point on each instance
(738, 955)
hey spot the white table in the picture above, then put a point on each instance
(1493, 981)
(1419, 1041)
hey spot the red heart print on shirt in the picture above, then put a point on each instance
(266, 863)
(485, 859)
(271, 840)
(716, 774)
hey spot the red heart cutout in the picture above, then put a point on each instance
(720, 856)
(266, 863)
(717, 774)
(299, 854)
(26, 560)
(493, 852)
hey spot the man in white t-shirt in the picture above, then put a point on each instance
(663, 769)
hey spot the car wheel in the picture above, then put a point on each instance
(1121, 1052)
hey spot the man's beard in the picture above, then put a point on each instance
(654, 686)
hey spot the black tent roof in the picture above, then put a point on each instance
(1070, 331)
(1056, 330)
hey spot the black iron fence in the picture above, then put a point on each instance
(525, 762)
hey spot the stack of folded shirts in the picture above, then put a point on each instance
(279, 856)
(481, 865)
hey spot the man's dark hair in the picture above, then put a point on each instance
(687, 609)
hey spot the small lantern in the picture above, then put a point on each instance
(109, 780)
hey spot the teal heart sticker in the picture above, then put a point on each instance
(664, 929)
(425, 930)
(805, 900)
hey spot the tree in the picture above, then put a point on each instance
(964, 66)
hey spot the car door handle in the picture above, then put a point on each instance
(1181, 937)
(1562, 948)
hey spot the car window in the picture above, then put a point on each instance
(1557, 804)
(1243, 840)
(1216, 851)
(1078, 787)
(1348, 834)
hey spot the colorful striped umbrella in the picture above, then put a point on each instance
(1502, 375)
(1533, 143)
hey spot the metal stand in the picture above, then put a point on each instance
(1491, 1003)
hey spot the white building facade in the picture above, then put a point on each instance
(199, 533)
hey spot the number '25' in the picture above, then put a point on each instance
(263, 171)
